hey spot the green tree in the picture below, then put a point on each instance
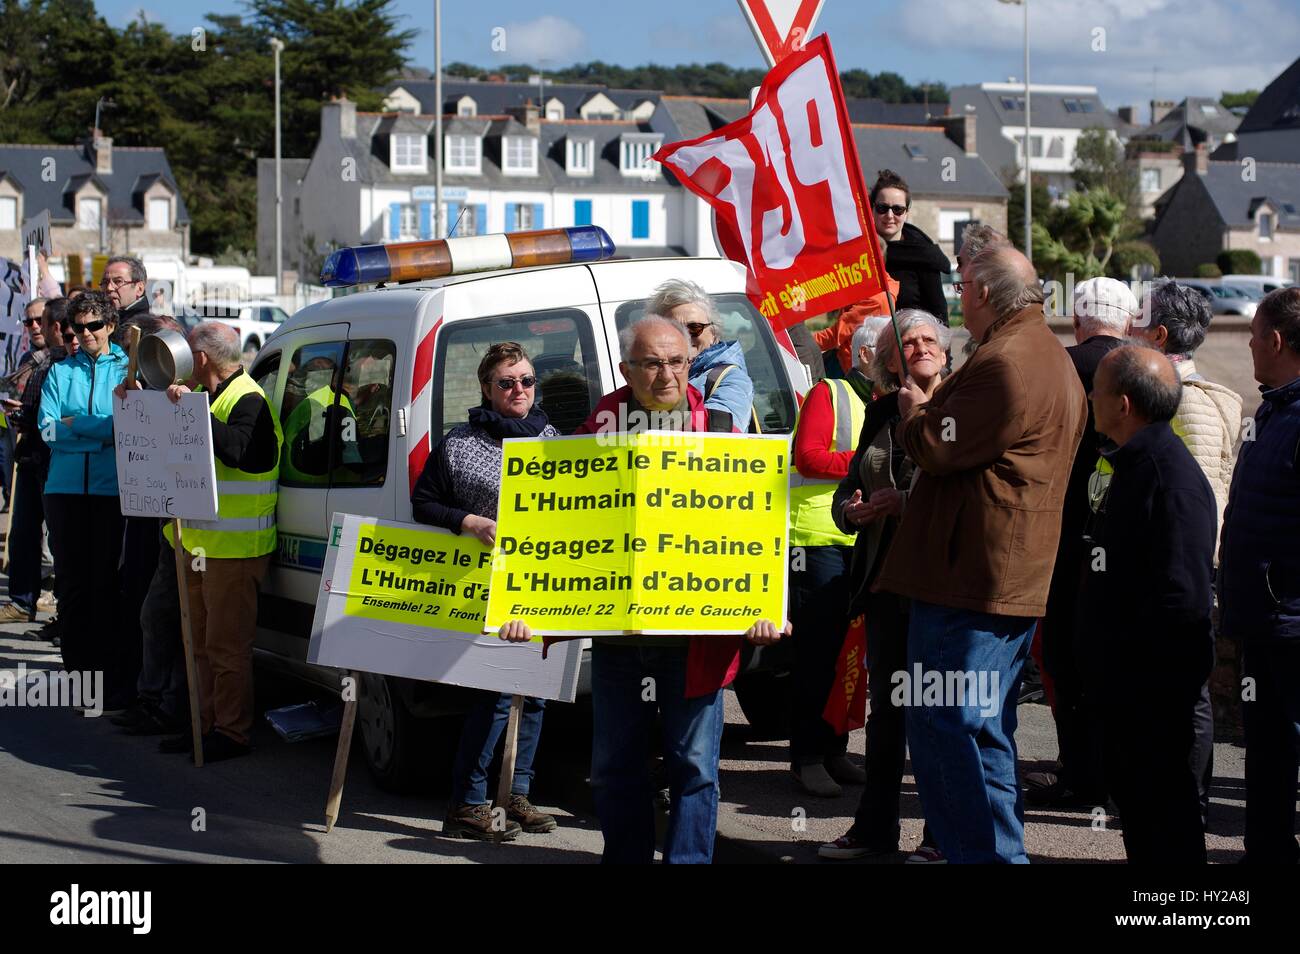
(1079, 236)
(1099, 163)
(1231, 100)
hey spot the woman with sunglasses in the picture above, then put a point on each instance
(76, 419)
(458, 491)
(915, 262)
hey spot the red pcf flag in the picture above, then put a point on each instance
(787, 191)
(846, 706)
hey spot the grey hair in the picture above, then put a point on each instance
(864, 336)
(677, 291)
(627, 336)
(218, 341)
(1008, 292)
(138, 274)
(907, 319)
(976, 238)
(1183, 312)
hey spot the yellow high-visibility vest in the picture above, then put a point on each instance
(811, 523)
(245, 524)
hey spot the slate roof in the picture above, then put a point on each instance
(132, 165)
(887, 147)
(1193, 121)
(1236, 201)
(1270, 130)
(496, 98)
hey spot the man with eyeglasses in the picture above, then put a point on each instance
(688, 673)
(124, 280)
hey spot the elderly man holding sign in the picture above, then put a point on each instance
(229, 555)
(458, 491)
(684, 675)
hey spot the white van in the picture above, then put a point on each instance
(409, 355)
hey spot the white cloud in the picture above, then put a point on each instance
(721, 38)
(1200, 47)
(551, 39)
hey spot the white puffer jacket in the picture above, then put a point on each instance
(1209, 421)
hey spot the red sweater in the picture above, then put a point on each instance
(812, 439)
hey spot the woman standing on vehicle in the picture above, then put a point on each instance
(76, 419)
(458, 491)
(911, 258)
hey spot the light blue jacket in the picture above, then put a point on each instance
(735, 392)
(82, 459)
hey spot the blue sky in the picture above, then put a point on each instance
(1196, 47)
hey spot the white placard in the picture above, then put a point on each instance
(165, 466)
(431, 574)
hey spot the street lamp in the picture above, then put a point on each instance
(277, 45)
(1029, 235)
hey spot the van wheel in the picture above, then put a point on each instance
(396, 743)
(764, 698)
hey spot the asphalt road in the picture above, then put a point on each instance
(74, 789)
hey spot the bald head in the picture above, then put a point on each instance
(219, 342)
(1003, 283)
(1134, 386)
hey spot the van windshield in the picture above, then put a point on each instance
(774, 402)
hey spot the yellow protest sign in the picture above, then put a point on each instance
(649, 533)
(410, 575)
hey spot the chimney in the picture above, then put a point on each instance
(960, 129)
(1128, 114)
(1197, 160)
(103, 149)
(1160, 109)
(338, 119)
(529, 114)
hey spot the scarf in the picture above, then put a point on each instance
(531, 425)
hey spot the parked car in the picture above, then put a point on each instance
(1256, 285)
(1224, 299)
(408, 355)
(255, 321)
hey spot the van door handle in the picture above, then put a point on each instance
(401, 422)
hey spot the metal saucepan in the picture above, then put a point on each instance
(165, 359)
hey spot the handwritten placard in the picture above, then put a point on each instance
(165, 466)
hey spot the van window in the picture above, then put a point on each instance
(773, 398)
(336, 422)
(266, 373)
(559, 342)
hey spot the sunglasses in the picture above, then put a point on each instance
(898, 210)
(696, 328)
(31, 322)
(91, 326)
(528, 380)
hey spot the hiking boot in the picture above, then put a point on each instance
(531, 820)
(475, 822)
(13, 613)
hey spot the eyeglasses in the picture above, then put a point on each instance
(31, 321)
(959, 286)
(696, 328)
(91, 326)
(655, 365)
(898, 210)
(114, 282)
(528, 380)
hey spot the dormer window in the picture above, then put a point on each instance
(8, 213)
(554, 109)
(160, 214)
(464, 154)
(408, 153)
(519, 155)
(465, 106)
(578, 157)
(1266, 225)
(89, 213)
(635, 152)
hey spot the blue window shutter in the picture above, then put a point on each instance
(480, 219)
(640, 219)
(426, 220)
(512, 221)
(581, 211)
(395, 221)
(539, 215)
(453, 213)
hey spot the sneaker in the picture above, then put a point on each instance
(844, 771)
(1047, 790)
(13, 613)
(926, 855)
(131, 716)
(531, 820)
(217, 747)
(815, 780)
(152, 723)
(848, 847)
(47, 603)
(475, 822)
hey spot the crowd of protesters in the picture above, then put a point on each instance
(1082, 504)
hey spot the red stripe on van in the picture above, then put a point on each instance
(424, 361)
(783, 339)
(415, 461)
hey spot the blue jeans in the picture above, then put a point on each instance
(623, 707)
(484, 725)
(963, 756)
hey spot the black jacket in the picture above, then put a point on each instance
(1150, 565)
(916, 263)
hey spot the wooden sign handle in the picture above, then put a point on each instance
(133, 353)
(508, 762)
(187, 637)
(335, 796)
